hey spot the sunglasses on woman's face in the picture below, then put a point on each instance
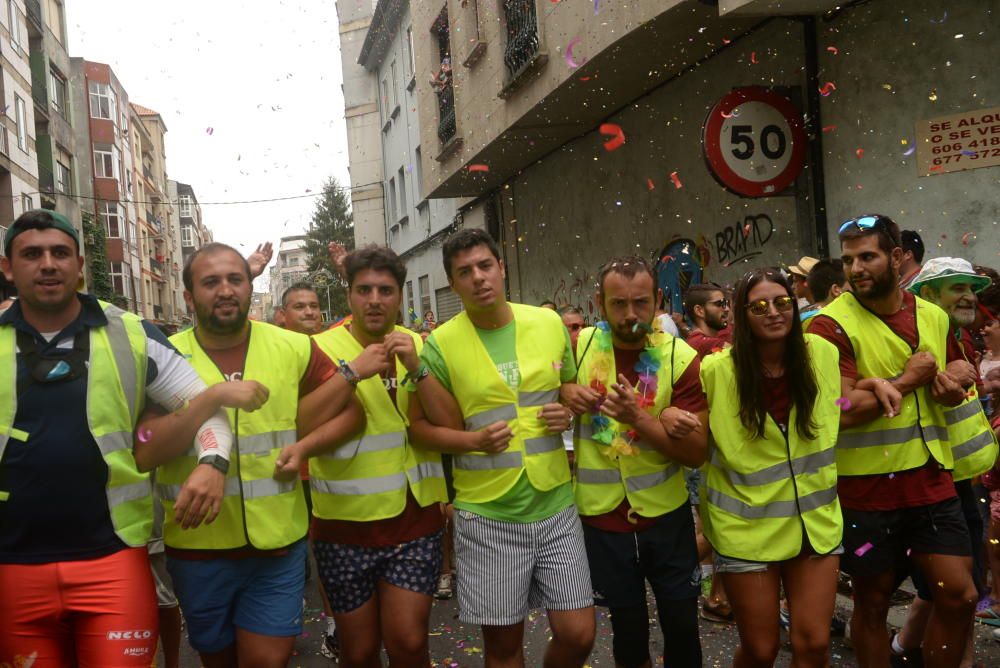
(762, 307)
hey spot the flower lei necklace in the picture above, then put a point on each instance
(619, 443)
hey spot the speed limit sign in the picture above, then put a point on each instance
(754, 142)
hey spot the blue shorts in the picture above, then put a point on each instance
(257, 594)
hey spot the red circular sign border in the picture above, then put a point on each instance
(712, 144)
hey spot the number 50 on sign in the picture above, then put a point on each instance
(754, 142)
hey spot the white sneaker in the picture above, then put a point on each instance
(444, 588)
(996, 634)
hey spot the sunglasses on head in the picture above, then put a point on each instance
(862, 223)
(762, 307)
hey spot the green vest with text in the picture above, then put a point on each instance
(366, 478)
(116, 390)
(484, 398)
(653, 484)
(919, 431)
(257, 510)
(973, 443)
(761, 494)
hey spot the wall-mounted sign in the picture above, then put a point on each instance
(754, 142)
(957, 142)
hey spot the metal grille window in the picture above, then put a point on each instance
(522, 34)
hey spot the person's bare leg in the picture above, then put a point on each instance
(360, 635)
(170, 636)
(754, 598)
(504, 646)
(811, 588)
(871, 607)
(911, 636)
(950, 580)
(572, 637)
(222, 659)
(254, 650)
(404, 621)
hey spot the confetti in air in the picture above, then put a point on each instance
(479, 168)
(568, 55)
(616, 133)
(827, 88)
(861, 551)
(677, 180)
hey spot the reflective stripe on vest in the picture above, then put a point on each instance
(529, 399)
(367, 444)
(972, 446)
(263, 444)
(503, 460)
(806, 465)
(887, 437)
(486, 418)
(962, 411)
(775, 509)
(251, 489)
(359, 486)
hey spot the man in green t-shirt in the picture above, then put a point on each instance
(518, 539)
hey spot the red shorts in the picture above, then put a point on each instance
(99, 612)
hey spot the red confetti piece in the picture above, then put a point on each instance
(479, 168)
(827, 88)
(667, 258)
(650, 184)
(965, 238)
(753, 57)
(726, 41)
(677, 180)
(860, 153)
(746, 230)
(616, 133)
(935, 168)
(584, 78)
(833, 50)
(725, 115)
(829, 128)
(863, 549)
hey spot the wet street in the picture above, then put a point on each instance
(455, 645)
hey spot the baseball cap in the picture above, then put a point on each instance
(948, 267)
(804, 266)
(39, 219)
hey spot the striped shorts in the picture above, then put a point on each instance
(505, 569)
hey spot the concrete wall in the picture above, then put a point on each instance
(568, 213)
(894, 57)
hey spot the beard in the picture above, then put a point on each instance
(882, 285)
(716, 322)
(624, 332)
(962, 315)
(219, 326)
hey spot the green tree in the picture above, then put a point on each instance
(332, 222)
(94, 242)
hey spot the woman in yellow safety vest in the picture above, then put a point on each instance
(770, 505)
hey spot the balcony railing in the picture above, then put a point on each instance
(147, 172)
(155, 265)
(34, 8)
(446, 107)
(522, 34)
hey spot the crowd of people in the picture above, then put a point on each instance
(824, 418)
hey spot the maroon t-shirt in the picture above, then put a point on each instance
(706, 345)
(687, 395)
(231, 362)
(904, 489)
(414, 522)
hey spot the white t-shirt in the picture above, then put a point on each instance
(667, 324)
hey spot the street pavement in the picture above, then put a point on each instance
(457, 645)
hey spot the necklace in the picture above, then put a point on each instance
(606, 430)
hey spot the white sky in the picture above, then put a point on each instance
(266, 77)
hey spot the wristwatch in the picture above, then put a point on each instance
(216, 462)
(349, 374)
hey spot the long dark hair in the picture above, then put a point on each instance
(749, 370)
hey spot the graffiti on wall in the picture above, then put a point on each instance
(578, 291)
(743, 240)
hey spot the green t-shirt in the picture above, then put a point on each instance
(522, 502)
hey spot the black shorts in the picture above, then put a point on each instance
(665, 554)
(879, 540)
(969, 500)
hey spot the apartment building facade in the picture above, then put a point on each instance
(410, 223)
(291, 267)
(107, 176)
(18, 149)
(585, 130)
(159, 249)
(55, 134)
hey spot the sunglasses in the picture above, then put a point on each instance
(762, 307)
(719, 303)
(862, 223)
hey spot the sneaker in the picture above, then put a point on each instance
(331, 646)
(444, 588)
(996, 634)
(784, 617)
